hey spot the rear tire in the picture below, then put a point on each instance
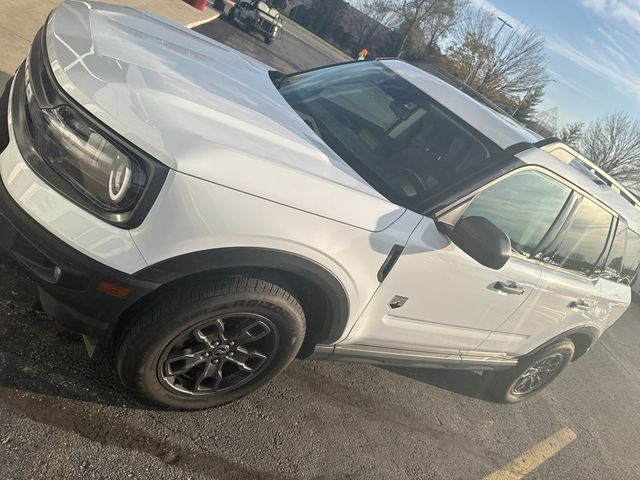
(208, 344)
(232, 13)
(531, 375)
(268, 40)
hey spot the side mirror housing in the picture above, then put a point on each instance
(481, 240)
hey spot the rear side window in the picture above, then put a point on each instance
(394, 135)
(583, 243)
(613, 267)
(631, 258)
(524, 206)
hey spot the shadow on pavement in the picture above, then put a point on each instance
(38, 356)
(43, 366)
(463, 382)
(471, 384)
(4, 77)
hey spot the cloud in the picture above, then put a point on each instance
(614, 45)
(603, 64)
(607, 54)
(626, 11)
(607, 51)
(570, 83)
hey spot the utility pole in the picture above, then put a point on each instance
(523, 100)
(475, 71)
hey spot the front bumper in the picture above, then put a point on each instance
(80, 292)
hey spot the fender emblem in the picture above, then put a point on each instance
(397, 301)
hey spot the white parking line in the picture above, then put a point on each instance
(535, 456)
(197, 23)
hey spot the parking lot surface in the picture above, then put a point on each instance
(297, 49)
(63, 415)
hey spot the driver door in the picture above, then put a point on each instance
(437, 298)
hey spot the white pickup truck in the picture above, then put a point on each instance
(257, 16)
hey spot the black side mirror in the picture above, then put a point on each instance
(481, 240)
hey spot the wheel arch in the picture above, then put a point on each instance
(322, 295)
(582, 338)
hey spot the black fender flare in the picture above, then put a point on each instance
(592, 332)
(238, 258)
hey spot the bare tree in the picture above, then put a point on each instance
(613, 143)
(494, 62)
(443, 20)
(380, 10)
(375, 16)
(518, 64)
(418, 14)
(571, 134)
(473, 39)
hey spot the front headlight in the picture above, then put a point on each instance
(110, 177)
(76, 153)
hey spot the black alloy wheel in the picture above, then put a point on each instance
(209, 342)
(219, 354)
(532, 373)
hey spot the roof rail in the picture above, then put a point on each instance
(625, 193)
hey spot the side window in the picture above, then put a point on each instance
(631, 258)
(524, 206)
(614, 261)
(584, 241)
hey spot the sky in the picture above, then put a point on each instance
(592, 50)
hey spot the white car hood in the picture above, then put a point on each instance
(203, 109)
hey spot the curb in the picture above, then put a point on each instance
(197, 23)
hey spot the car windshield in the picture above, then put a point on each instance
(399, 140)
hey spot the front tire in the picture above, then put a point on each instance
(209, 344)
(531, 375)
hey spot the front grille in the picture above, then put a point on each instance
(265, 26)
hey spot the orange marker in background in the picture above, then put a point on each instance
(199, 4)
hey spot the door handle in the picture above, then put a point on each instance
(580, 304)
(510, 288)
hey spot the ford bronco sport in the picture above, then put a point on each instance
(215, 230)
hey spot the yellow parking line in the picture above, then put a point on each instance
(535, 456)
(203, 21)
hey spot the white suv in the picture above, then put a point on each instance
(215, 218)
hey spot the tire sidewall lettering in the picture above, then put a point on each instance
(252, 303)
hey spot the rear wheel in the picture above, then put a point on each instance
(268, 40)
(232, 13)
(531, 375)
(210, 344)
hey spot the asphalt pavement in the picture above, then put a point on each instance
(297, 49)
(63, 415)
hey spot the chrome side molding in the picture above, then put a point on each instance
(408, 358)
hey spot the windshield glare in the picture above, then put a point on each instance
(390, 132)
